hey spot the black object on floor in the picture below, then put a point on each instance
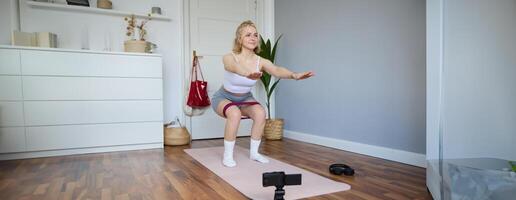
(339, 169)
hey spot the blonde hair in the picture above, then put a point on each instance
(237, 43)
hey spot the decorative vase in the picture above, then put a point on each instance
(273, 129)
(135, 46)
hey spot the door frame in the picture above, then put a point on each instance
(265, 23)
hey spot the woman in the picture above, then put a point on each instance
(234, 99)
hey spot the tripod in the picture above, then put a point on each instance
(279, 193)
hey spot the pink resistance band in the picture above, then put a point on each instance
(238, 104)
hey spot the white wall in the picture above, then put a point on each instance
(8, 20)
(471, 59)
(479, 78)
(434, 51)
(433, 73)
(70, 28)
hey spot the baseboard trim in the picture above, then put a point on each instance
(401, 156)
(38, 154)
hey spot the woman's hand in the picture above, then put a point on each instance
(254, 75)
(302, 75)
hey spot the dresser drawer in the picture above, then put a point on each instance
(91, 88)
(89, 112)
(10, 88)
(95, 135)
(89, 64)
(12, 139)
(11, 114)
(10, 62)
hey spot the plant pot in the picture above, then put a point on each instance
(175, 136)
(135, 46)
(273, 129)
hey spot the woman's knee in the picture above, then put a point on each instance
(233, 114)
(259, 115)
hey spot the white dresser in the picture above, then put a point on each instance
(59, 102)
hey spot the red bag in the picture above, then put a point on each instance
(198, 94)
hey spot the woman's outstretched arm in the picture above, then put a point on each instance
(282, 72)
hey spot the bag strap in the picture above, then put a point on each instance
(199, 68)
(193, 75)
(234, 56)
(196, 66)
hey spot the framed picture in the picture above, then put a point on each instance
(78, 2)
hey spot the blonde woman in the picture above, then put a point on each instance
(243, 67)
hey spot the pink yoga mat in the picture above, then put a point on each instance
(246, 177)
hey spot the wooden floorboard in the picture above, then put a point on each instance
(170, 173)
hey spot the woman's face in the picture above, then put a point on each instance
(249, 38)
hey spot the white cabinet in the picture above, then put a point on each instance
(11, 113)
(55, 63)
(9, 62)
(45, 113)
(94, 135)
(90, 88)
(58, 102)
(10, 88)
(12, 139)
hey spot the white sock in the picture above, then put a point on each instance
(228, 154)
(254, 155)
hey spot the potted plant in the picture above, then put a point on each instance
(273, 127)
(132, 44)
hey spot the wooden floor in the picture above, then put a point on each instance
(172, 174)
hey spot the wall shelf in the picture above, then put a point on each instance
(70, 8)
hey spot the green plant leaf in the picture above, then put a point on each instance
(267, 77)
(513, 166)
(273, 53)
(266, 80)
(263, 53)
(268, 49)
(273, 87)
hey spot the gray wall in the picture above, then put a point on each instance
(369, 60)
(479, 79)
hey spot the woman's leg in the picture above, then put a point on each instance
(257, 114)
(233, 116)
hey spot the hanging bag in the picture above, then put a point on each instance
(198, 94)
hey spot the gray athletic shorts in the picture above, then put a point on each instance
(222, 94)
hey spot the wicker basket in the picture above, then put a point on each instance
(273, 129)
(176, 136)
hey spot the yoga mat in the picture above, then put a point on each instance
(246, 177)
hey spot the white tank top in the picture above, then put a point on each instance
(239, 84)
